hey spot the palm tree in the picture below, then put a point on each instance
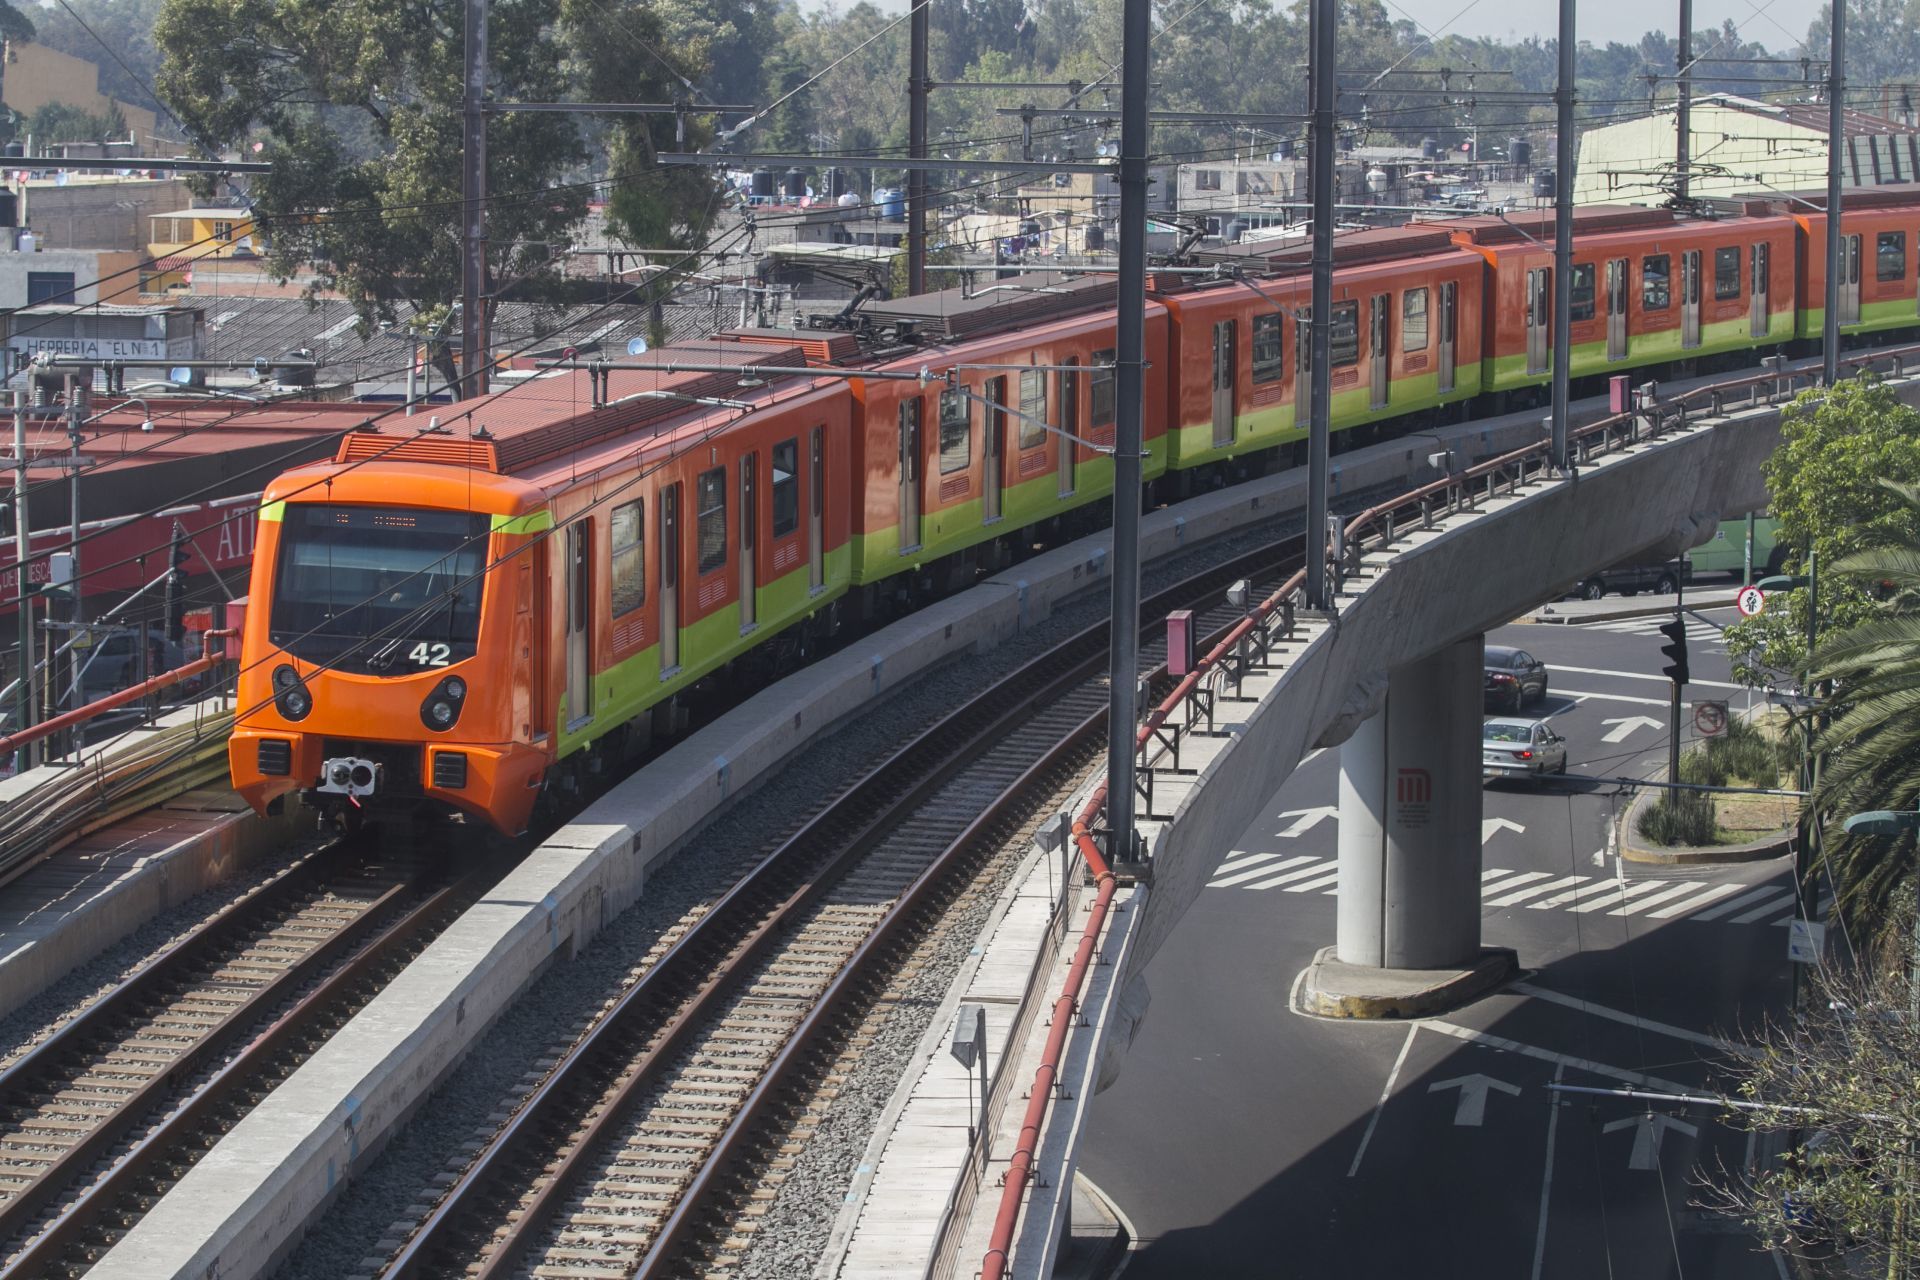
(1871, 747)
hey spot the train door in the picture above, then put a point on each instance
(1616, 309)
(993, 450)
(1223, 336)
(1849, 279)
(1759, 266)
(1449, 321)
(669, 579)
(579, 622)
(1377, 360)
(816, 511)
(749, 527)
(1690, 298)
(1302, 370)
(1069, 423)
(910, 475)
(1539, 318)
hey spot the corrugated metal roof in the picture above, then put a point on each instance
(184, 428)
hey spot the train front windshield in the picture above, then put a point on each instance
(380, 590)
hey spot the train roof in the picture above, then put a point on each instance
(1350, 248)
(1889, 196)
(953, 314)
(1537, 225)
(558, 415)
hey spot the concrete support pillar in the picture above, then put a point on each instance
(1410, 820)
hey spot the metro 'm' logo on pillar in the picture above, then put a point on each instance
(1414, 786)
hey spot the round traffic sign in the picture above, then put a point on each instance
(1751, 601)
(1710, 718)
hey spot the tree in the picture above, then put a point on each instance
(1840, 1091)
(1871, 748)
(1824, 480)
(357, 106)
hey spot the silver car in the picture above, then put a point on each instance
(1511, 747)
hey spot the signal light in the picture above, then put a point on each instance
(1675, 650)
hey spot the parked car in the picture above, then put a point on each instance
(116, 663)
(1514, 678)
(1658, 576)
(1511, 747)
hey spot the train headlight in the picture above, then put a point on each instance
(442, 708)
(294, 701)
(284, 677)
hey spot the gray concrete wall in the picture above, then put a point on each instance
(1467, 579)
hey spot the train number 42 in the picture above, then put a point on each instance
(430, 655)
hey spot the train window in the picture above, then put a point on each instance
(629, 563)
(710, 500)
(1102, 390)
(1269, 356)
(1656, 282)
(1726, 273)
(786, 487)
(956, 431)
(1890, 256)
(1413, 320)
(1344, 346)
(1033, 408)
(1580, 296)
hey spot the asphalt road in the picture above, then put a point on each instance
(1244, 1139)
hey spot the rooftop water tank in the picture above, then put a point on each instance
(1378, 181)
(1544, 186)
(795, 186)
(762, 188)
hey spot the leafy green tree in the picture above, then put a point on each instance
(1825, 481)
(58, 122)
(1871, 747)
(1837, 1092)
(357, 105)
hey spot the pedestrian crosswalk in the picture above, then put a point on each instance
(1697, 630)
(1735, 902)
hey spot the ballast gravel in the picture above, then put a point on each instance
(554, 1009)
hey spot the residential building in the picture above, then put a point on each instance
(195, 235)
(36, 76)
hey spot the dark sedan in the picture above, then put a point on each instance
(1514, 678)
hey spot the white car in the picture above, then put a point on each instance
(1511, 747)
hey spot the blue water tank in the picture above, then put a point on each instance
(892, 202)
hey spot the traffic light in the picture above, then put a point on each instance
(1675, 650)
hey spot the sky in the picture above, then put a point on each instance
(1779, 24)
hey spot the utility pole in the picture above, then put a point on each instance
(79, 392)
(1836, 138)
(917, 79)
(473, 208)
(1130, 387)
(1683, 111)
(1323, 26)
(1563, 239)
(22, 592)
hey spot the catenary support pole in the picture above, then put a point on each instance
(1674, 690)
(29, 682)
(473, 208)
(1130, 386)
(917, 149)
(1683, 110)
(1323, 26)
(1836, 139)
(1563, 151)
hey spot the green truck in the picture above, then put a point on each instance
(1726, 551)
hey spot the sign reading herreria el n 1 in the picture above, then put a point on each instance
(92, 348)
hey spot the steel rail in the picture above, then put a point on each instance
(68, 1230)
(437, 1233)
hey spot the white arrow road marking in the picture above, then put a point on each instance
(1489, 827)
(1649, 1129)
(1471, 1109)
(1306, 820)
(1628, 725)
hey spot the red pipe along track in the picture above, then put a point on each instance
(207, 661)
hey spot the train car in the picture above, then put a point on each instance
(1406, 339)
(1647, 287)
(1879, 258)
(467, 618)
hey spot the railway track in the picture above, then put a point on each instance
(100, 1118)
(644, 1146)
